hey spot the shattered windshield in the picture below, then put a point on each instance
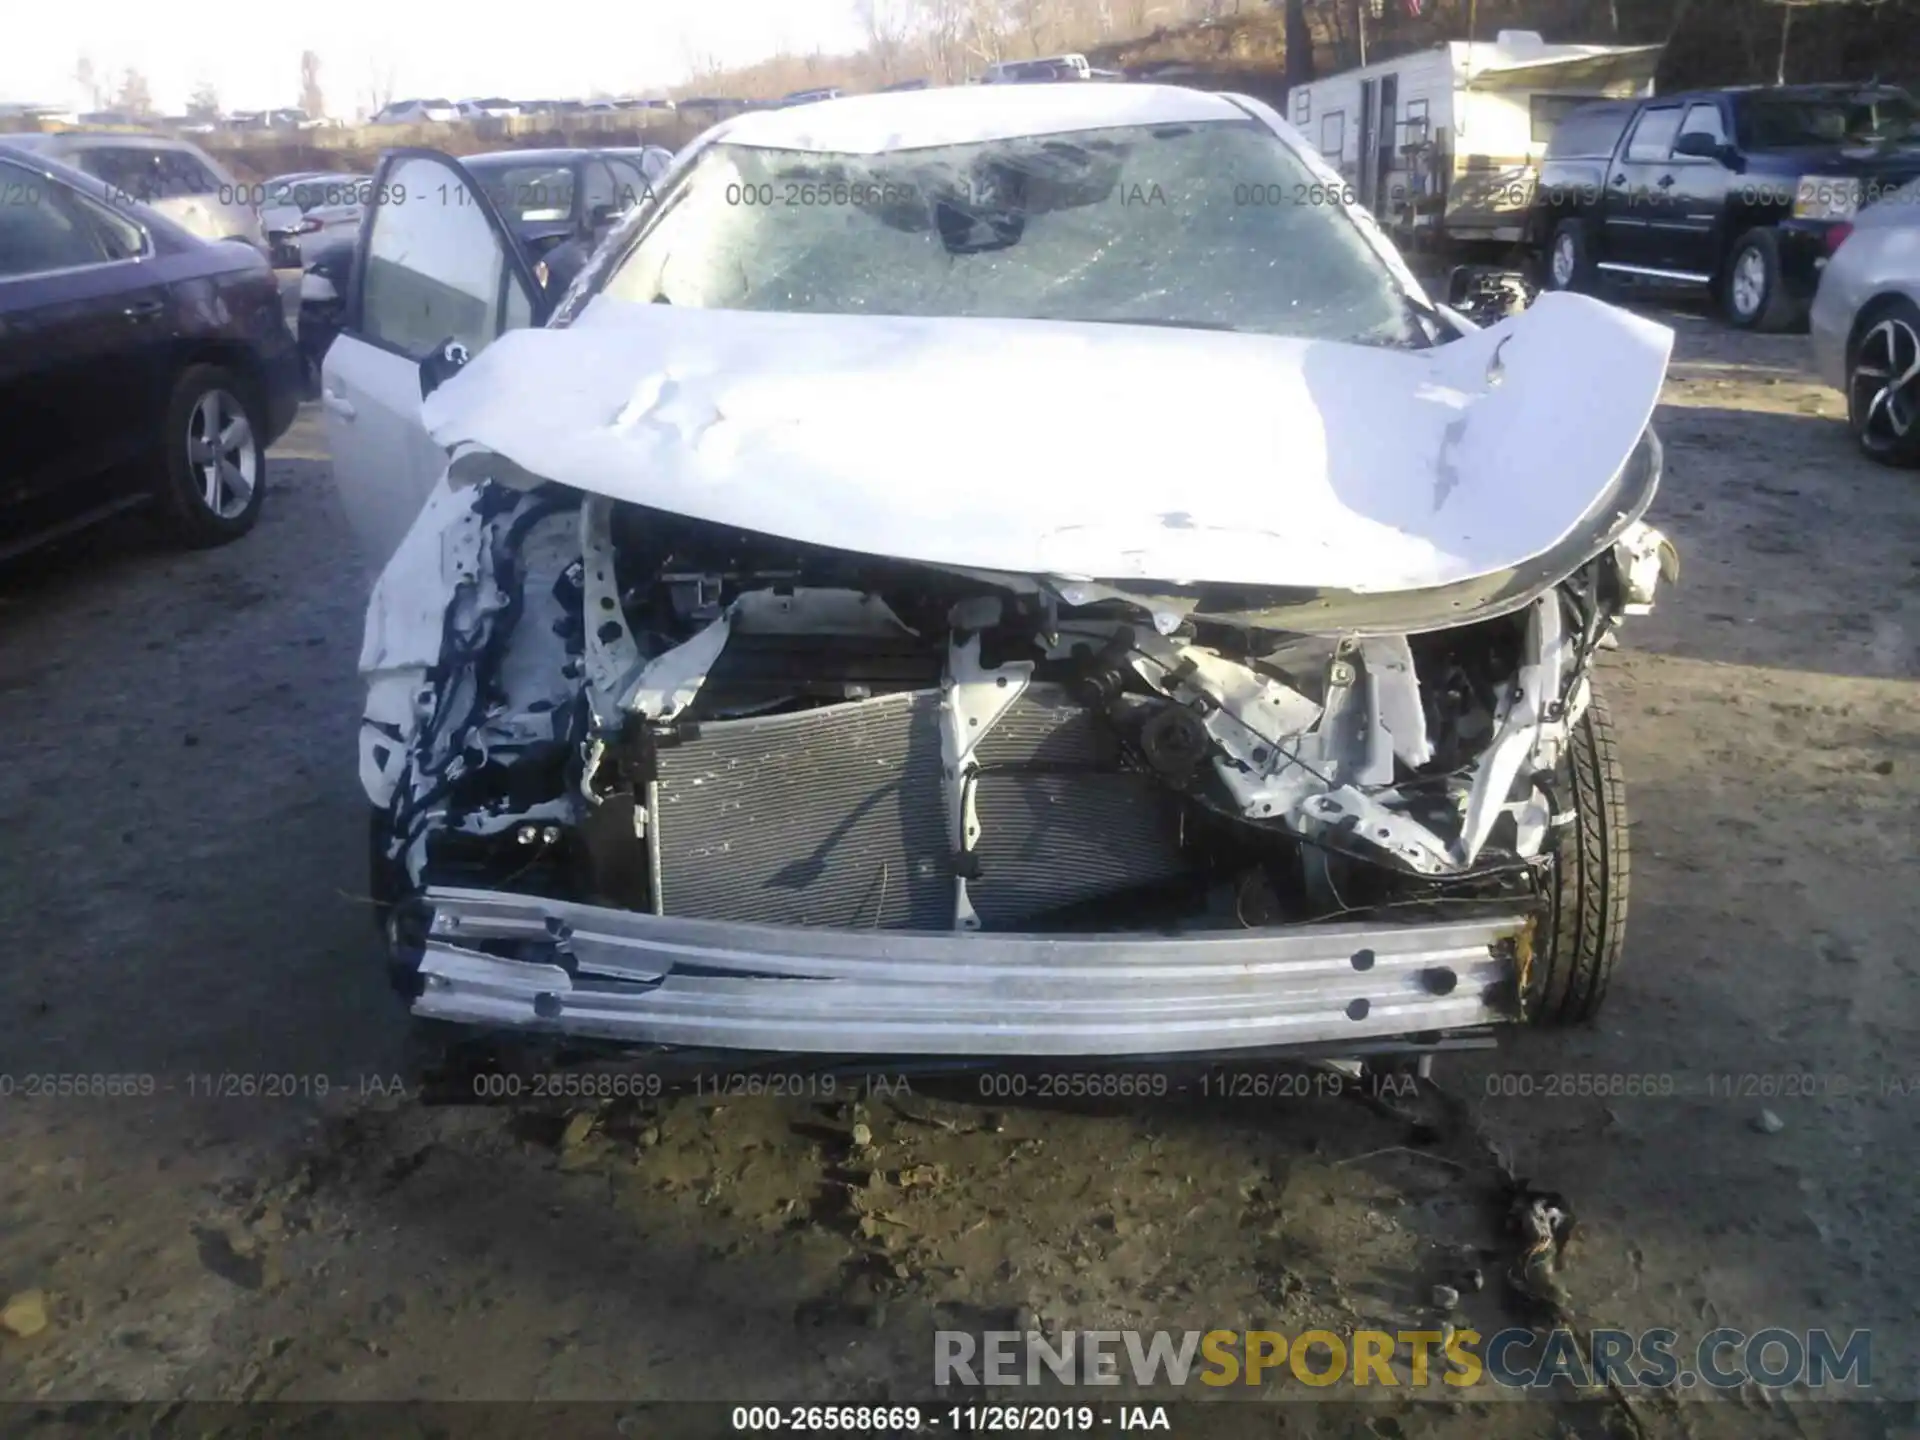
(1215, 225)
(1871, 117)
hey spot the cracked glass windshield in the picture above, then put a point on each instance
(1213, 225)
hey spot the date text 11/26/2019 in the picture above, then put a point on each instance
(197, 1085)
(954, 1419)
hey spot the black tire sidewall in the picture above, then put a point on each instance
(1580, 937)
(187, 515)
(1775, 311)
(1904, 454)
(1581, 278)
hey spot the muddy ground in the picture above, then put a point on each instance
(181, 891)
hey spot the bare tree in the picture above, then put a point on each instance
(379, 90)
(1787, 7)
(1033, 19)
(886, 24)
(701, 64)
(88, 79)
(1299, 42)
(943, 27)
(204, 103)
(312, 99)
(135, 96)
(986, 30)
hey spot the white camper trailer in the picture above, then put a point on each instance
(1445, 144)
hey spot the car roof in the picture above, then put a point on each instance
(492, 158)
(528, 157)
(1788, 92)
(100, 139)
(968, 114)
(308, 178)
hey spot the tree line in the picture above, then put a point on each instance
(129, 93)
(1710, 42)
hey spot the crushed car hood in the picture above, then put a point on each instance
(1093, 451)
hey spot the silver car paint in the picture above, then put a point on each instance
(221, 214)
(1881, 257)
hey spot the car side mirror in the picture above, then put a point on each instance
(1698, 145)
(446, 360)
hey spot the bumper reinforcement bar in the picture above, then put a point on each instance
(620, 975)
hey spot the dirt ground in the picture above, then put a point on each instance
(181, 885)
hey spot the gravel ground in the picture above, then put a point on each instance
(183, 890)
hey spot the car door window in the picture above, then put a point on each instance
(183, 173)
(40, 230)
(630, 186)
(1589, 132)
(1705, 120)
(116, 235)
(149, 173)
(600, 200)
(435, 267)
(1653, 136)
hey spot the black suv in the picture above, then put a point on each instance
(1744, 190)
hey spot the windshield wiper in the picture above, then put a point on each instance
(1431, 326)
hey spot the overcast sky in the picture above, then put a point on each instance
(250, 49)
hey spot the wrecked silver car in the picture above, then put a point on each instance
(979, 572)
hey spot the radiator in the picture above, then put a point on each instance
(838, 816)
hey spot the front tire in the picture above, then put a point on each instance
(1752, 293)
(1581, 936)
(1569, 259)
(1883, 383)
(216, 468)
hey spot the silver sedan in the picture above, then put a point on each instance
(1865, 324)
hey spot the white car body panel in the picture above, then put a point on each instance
(337, 222)
(414, 112)
(384, 463)
(1372, 492)
(341, 200)
(956, 115)
(280, 219)
(212, 218)
(1292, 462)
(794, 393)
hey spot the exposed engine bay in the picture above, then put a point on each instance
(634, 709)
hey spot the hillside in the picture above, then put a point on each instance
(1710, 42)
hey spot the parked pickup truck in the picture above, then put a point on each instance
(1746, 191)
